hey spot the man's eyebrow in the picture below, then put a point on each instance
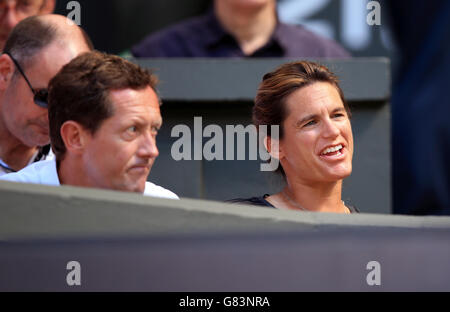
(157, 123)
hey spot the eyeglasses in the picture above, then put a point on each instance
(40, 96)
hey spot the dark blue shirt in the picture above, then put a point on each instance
(204, 36)
(262, 201)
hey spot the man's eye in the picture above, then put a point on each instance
(132, 129)
(155, 130)
(25, 4)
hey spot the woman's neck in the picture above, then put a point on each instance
(252, 27)
(320, 197)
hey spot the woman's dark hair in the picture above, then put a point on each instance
(270, 108)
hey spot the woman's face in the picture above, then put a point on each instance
(317, 145)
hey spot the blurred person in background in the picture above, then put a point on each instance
(421, 106)
(237, 28)
(13, 11)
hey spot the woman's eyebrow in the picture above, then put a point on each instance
(338, 109)
(313, 116)
(305, 119)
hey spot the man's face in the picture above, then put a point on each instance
(26, 121)
(120, 154)
(13, 11)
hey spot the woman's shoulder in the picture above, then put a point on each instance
(256, 201)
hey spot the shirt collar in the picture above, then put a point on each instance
(49, 173)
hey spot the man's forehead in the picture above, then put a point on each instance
(28, 2)
(134, 107)
(129, 100)
(130, 94)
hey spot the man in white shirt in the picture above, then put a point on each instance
(104, 116)
(35, 51)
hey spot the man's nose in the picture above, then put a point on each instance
(9, 18)
(147, 147)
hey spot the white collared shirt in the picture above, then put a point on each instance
(44, 172)
(4, 166)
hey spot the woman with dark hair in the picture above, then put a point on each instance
(315, 144)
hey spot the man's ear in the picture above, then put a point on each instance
(274, 147)
(47, 7)
(6, 71)
(74, 136)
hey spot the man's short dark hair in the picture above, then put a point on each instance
(32, 35)
(80, 92)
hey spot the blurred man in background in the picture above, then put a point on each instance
(237, 28)
(13, 11)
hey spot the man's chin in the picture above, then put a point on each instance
(136, 188)
(43, 143)
(39, 140)
(39, 143)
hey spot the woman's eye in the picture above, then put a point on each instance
(310, 123)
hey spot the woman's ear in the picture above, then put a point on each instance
(6, 71)
(74, 137)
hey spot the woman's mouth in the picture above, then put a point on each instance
(333, 152)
